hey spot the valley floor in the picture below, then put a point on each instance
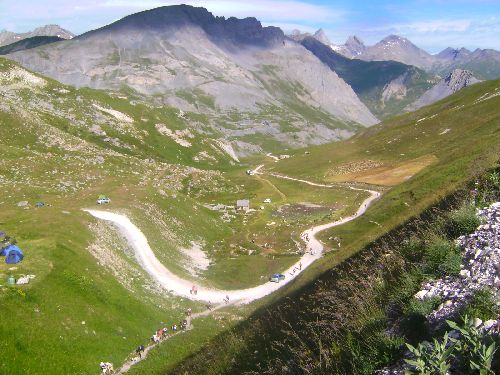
(180, 287)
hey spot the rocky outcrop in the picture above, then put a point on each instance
(8, 37)
(480, 269)
(396, 89)
(455, 81)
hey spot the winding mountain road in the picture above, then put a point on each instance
(181, 287)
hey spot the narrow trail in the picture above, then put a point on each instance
(182, 287)
(274, 187)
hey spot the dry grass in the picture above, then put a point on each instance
(388, 175)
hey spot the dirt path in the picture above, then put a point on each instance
(274, 187)
(182, 287)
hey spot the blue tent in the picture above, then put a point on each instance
(13, 254)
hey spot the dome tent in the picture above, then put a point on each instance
(13, 254)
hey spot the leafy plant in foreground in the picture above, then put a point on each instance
(433, 358)
(473, 347)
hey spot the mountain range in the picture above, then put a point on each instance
(249, 84)
(247, 81)
(9, 37)
(483, 63)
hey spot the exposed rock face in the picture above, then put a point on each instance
(397, 88)
(190, 59)
(352, 48)
(246, 31)
(455, 81)
(8, 37)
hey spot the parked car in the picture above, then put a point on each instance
(103, 201)
(277, 277)
(267, 200)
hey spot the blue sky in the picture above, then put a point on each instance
(431, 24)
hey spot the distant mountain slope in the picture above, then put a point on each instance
(455, 81)
(400, 49)
(8, 37)
(116, 121)
(247, 79)
(28, 43)
(483, 63)
(386, 87)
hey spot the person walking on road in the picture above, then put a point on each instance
(139, 350)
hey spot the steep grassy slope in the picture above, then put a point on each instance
(386, 87)
(418, 159)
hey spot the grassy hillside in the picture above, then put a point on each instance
(90, 300)
(417, 160)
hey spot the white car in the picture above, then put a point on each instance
(103, 201)
(267, 200)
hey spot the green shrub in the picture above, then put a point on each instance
(412, 249)
(431, 359)
(442, 258)
(482, 305)
(462, 221)
(424, 307)
(475, 350)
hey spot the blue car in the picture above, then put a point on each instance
(277, 277)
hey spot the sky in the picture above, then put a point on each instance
(431, 24)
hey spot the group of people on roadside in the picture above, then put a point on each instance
(106, 368)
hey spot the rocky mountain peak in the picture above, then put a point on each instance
(355, 45)
(167, 18)
(320, 35)
(453, 82)
(53, 30)
(451, 54)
